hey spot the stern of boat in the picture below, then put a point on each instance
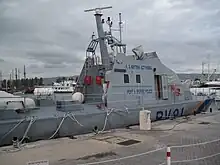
(203, 105)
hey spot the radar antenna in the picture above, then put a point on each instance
(98, 10)
(101, 36)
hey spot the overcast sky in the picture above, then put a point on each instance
(50, 36)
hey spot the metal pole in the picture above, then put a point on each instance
(208, 66)
(168, 156)
(120, 27)
(103, 47)
(16, 78)
(24, 72)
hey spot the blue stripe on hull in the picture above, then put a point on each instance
(204, 106)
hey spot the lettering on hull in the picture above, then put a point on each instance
(140, 91)
(138, 67)
(166, 114)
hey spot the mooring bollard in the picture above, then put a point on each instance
(144, 120)
(168, 156)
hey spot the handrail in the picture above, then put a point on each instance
(125, 96)
(140, 94)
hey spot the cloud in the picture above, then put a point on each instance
(54, 57)
(50, 37)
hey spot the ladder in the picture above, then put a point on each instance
(92, 46)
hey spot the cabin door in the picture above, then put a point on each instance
(158, 86)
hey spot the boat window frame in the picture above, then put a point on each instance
(126, 79)
(138, 77)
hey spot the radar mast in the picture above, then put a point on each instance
(101, 36)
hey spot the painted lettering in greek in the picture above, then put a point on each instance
(176, 112)
(138, 67)
(166, 114)
(159, 115)
(182, 112)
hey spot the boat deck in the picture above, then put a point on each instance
(46, 112)
(115, 146)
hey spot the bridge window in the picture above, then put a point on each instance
(138, 78)
(126, 78)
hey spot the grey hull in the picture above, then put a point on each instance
(45, 126)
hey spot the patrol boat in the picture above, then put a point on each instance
(109, 94)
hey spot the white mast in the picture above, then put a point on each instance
(208, 66)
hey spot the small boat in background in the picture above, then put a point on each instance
(64, 87)
(67, 86)
(9, 101)
(208, 89)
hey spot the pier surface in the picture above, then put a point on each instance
(129, 146)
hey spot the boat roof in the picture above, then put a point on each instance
(213, 83)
